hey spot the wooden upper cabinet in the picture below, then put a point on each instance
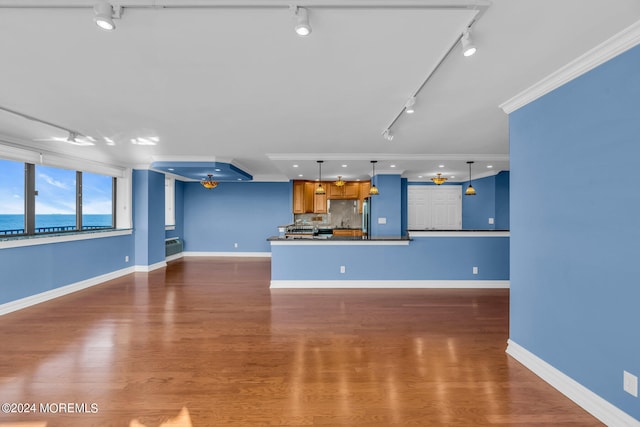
(350, 190)
(305, 199)
(364, 193)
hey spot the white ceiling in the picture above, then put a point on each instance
(237, 84)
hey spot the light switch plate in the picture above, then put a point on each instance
(382, 220)
(630, 383)
(491, 220)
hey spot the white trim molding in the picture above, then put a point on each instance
(174, 257)
(148, 268)
(588, 400)
(60, 238)
(389, 284)
(619, 43)
(461, 233)
(331, 242)
(64, 290)
(229, 254)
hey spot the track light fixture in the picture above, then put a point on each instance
(302, 26)
(387, 135)
(408, 107)
(105, 13)
(468, 47)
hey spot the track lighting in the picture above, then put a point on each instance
(408, 107)
(104, 15)
(387, 135)
(468, 47)
(302, 26)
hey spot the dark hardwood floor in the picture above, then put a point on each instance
(205, 342)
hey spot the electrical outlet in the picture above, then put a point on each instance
(126, 258)
(630, 383)
(235, 245)
(490, 220)
(475, 270)
(343, 269)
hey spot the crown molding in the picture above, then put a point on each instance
(619, 43)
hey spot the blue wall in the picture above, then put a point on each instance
(425, 258)
(246, 213)
(148, 217)
(387, 204)
(502, 201)
(575, 237)
(31, 270)
(491, 201)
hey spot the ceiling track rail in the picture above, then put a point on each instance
(253, 4)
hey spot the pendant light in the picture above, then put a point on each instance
(373, 191)
(438, 179)
(209, 183)
(470, 190)
(339, 182)
(319, 189)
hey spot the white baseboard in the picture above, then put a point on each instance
(588, 400)
(390, 284)
(64, 290)
(174, 257)
(229, 254)
(148, 268)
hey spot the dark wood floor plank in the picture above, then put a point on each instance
(205, 342)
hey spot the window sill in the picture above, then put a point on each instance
(16, 242)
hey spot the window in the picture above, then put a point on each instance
(11, 197)
(55, 199)
(169, 202)
(97, 201)
(37, 199)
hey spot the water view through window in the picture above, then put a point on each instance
(55, 200)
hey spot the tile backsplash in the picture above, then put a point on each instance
(342, 214)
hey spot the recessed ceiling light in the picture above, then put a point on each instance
(489, 166)
(392, 166)
(453, 176)
(440, 166)
(295, 166)
(344, 166)
(300, 175)
(419, 176)
(217, 170)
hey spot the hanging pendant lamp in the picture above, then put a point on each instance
(209, 183)
(340, 182)
(438, 179)
(373, 191)
(319, 188)
(470, 190)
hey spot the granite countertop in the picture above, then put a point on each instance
(345, 238)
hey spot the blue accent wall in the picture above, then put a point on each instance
(575, 237)
(31, 270)
(491, 201)
(476, 210)
(246, 213)
(425, 258)
(387, 204)
(502, 201)
(148, 217)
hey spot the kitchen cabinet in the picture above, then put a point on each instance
(305, 199)
(347, 232)
(350, 190)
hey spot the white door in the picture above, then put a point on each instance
(434, 208)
